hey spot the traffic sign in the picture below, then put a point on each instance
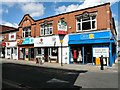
(61, 41)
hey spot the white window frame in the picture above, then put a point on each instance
(81, 21)
(45, 29)
(41, 28)
(24, 32)
(51, 50)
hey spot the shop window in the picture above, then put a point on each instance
(38, 51)
(54, 52)
(8, 51)
(15, 51)
(46, 29)
(86, 22)
(26, 31)
(22, 52)
(31, 52)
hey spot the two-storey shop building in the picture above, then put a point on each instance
(87, 34)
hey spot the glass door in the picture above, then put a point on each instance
(26, 54)
(12, 55)
(8, 53)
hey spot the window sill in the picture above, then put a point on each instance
(46, 35)
(86, 30)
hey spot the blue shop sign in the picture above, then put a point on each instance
(28, 41)
(93, 37)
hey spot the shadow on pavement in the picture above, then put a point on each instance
(38, 78)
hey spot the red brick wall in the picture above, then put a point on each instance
(103, 20)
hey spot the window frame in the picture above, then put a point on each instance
(91, 22)
(46, 29)
(26, 29)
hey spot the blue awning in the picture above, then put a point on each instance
(90, 41)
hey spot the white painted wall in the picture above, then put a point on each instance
(6, 51)
(65, 55)
(48, 41)
(11, 45)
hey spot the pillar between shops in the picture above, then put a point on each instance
(111, 59)
(83, 54)
(69, 55)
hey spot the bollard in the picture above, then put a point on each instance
(101, 63)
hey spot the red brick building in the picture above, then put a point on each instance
(8, 35)
(89, 20)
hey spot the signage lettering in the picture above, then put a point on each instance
(62, 27)
(91, 36)
(97, 52)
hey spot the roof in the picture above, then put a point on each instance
(4, 28)
(23, 18)
(73, 11)
(62, 13)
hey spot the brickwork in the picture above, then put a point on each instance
(104, 17)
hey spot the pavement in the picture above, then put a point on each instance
(77, 67)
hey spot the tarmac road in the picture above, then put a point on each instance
(22, 76)
(16, 75)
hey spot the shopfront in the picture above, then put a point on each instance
(2, 51)
(26, 49)
(11, 50)
(50, 48)
(89, 47)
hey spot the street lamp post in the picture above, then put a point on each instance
(61, 41)
(62, 31)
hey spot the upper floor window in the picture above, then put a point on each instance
(86, 21)
(26, 31)
(46, 29)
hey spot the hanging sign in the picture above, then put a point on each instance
(62, 27)
(12, 36)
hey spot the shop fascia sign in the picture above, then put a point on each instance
(87, 36)
(28, 40)
(39, 41)
(99, 51)
(96, 35)
(46, 41)
(12, 36)
(62, 26)
(11, 44)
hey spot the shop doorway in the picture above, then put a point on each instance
(12, 53)
(22, 53)
(26, 54)
(3, 53)
(46, 54)
(50, 53)
(81, 54)
(32, 53)
(87, 53)
(76, 54)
